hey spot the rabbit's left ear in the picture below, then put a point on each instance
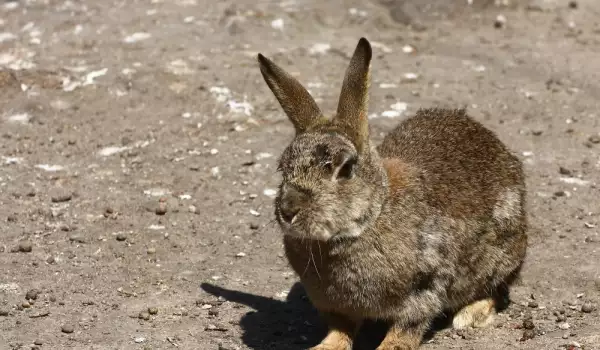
(353, 106)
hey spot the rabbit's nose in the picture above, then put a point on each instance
(292, 202)
(288, 212)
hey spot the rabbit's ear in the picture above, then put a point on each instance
(352, 108)
(296, 102)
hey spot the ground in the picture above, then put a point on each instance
(137, 161)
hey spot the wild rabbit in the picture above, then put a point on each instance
(430, 221)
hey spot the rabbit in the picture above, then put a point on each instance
(431, 222)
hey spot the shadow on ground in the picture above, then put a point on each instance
(293, 324)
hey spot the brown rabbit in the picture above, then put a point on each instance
(431, 221)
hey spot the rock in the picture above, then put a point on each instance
(573, 4)
(528, 324)
(38, 342)
(561, 318)
(564, 326)
(59, 195)
(213, 312)
(161, 209)
(533, 304)
(25, 247)
(121, 237)
(151, 251)
(565, 171)
(32, 294)
(77, 238)
(153, 310)
(594, 139)
(254, 226)
(68, 328)
(4, 312)
(587, 307)
(500, 21)
(144, 316)
(139, 340)
(528, 334)
(50, 260)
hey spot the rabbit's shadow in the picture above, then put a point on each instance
(293, 324)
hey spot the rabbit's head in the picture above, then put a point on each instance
(333, 181)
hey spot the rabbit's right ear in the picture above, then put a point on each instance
(297, 103)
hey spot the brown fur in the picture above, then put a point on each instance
(430, 221)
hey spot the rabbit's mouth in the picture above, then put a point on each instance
(305, 226)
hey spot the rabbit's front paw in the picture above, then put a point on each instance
(330, 347)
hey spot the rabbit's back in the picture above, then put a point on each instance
(466, 171)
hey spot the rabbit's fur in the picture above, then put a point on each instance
(430, 221)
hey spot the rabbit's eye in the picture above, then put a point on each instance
(347, 169)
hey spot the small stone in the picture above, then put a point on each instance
(528, 324)
(192, 209)
(500, 21)
(144, 316)
(26, 305)
(38, 342)
(254, 226)
(533, 304)
(59, 195)
(594, 139)
(561, 318)
(537, 132)
(25, 247)
(153, 310)
(565, 336)
(240, 255)
(139, 340)
(528, 334)
(68, 328)
(573, 4)
(151, 251)
(161, 209)
(50, 260)
(213, 312)
(76, 238)
(587, 307)
(564, 326)
(565, 171)
(32, 294)
(121, 237)
(52, 298)
(4, 312)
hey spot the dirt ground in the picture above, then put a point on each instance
(138, 143)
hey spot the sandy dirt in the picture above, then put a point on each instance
(138, 145)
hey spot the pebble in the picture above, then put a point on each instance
(500, 21)
(213, 312)
(240, 255)
(144, 316)
(161, 209)
(533, 304)
(192, 209)
(68, 328)
(121, 237)
(25, 247)
(77, 239)
(4, 312)
(564, 326)
(561, 318)
(153, 310)
(139, 340)
(564, 171)
(151, 251)
(528, 334)
(38, 342)
(50, 260)
(254, 226)
(32, 294)
(595, 139)
(26, 305)
(587, 308)
(59, 195)
(573, 4)
(528, 324)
